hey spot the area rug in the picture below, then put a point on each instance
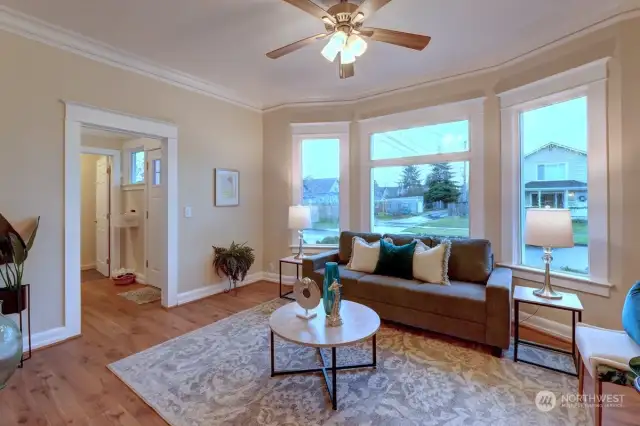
(143, 295)
(220, 374)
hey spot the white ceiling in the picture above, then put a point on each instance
(224, 42)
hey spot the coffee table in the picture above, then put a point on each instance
(359, 323)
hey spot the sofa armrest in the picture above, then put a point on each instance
(317, 261)
(499, 286)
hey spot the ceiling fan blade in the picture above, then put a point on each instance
(311, 8)
(369, 7)
(409, 40)
(295, 46)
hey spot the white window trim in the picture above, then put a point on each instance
(470, 110)
(306, 131)
(588, 80)
(566, 170)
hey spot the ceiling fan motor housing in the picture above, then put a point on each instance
(342, 13)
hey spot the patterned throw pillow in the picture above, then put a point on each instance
(431, 265)
(395, 261)
(631, 313)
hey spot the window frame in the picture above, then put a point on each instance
(588, 81)
(310, 131)
(471, 110)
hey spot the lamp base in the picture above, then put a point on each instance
(300, 256)
(547, 293)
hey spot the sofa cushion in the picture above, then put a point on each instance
(431, 265)
(462, 300)
(364, 256)
(396, 261)
(470, 260)
(346, 275)
(346, 243)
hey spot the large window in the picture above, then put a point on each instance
(321, 189)
(419, 166)
(137, 167)
(554, 174)
(554, 154)
(320, 179)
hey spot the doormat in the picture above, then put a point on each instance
(142, 295)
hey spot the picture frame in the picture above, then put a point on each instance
(226, 187)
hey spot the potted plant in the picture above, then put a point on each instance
(234, 262)
(13, 254)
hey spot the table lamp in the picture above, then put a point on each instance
(299, 219)
(548, 228)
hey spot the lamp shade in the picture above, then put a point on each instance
(299, 217)
(549, 228)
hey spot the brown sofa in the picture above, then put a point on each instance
(476, 306)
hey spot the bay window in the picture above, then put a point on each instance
(554, 155)
(320, 179)
(422, 172)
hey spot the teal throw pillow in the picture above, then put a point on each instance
(631, 313)
(395, 261)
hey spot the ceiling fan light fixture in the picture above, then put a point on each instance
(356, 45)
(336, 45)
(347, 57)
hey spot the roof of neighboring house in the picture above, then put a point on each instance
(551, 145)
(386, 192)
(545, 184)
(318, 186)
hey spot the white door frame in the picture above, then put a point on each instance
(79, 115)
(114, 234)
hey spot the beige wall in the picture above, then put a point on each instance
(34, 78)
(88, 213)
(618, 42)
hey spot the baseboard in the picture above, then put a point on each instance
(88, 266)
(47, 338)
(275, 278)
(140, 278)
(547, 326)
(210, 290)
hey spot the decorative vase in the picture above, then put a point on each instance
(331, 273)
(10, 348)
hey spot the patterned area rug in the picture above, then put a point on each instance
(220, 374)
(143, 295)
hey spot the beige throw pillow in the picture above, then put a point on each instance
(364, 255)
(431, 265)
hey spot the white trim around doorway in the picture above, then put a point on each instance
(78, 116)
(114, 207)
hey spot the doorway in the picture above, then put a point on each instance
(165, 267)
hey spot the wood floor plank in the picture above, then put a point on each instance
(69, 384)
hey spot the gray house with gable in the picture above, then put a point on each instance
(555, 175)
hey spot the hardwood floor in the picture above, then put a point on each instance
(69, 384)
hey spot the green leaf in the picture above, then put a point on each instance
(18, 249)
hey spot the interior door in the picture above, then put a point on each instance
(103, 204)
(156, 229)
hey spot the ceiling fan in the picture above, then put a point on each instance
(343, 24)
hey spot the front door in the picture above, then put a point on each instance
(103, 205)
(156, 228)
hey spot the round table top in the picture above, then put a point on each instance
(358, 323)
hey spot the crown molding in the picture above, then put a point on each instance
(619, 17)
(35, 29)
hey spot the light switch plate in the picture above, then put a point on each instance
(187, 211)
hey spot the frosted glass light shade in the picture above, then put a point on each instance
(347, 57)
(334, 46)
(299, 217)
(549, 228)
(356, 45)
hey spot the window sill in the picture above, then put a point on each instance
(314, 249)
(134, 187)
(571, 282)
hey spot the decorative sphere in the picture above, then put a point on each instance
(10, 349)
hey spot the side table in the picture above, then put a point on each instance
(569, 302)
(293, 261)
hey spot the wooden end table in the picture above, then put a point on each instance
(360, 323)
(569, 302)
(293, 261)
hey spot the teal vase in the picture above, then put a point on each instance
(10, 348)
(331, 274)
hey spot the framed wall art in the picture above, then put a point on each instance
(226, 187)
